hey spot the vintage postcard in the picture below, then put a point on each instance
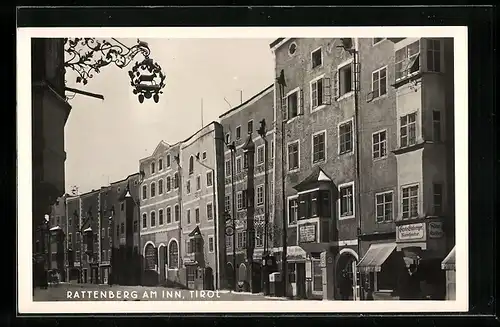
(302, 169)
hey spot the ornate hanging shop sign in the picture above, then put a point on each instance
(87, 56)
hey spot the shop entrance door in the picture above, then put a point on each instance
(301, 280)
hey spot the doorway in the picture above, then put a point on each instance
(230, 276)
(84, 275)
(345, 276)
(301, 280)
(208, 282)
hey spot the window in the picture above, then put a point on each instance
(317, 273)
(191, 165)
(103, 255)
(408, 130)
(153, 189)
(250, 126)
(210, 212)
(176, 180)
(245, 160)
(209, 179)
(318, 94)
(383, 206)
(379, 144)
(228, 168)
(160, 164)
(135, 226)
(433, 55)
(259, 238)
(319, 146)
(210, 244)
(346, 201)
(378, 40)
(160, 217)
(173, 255)
(169, 183)
(293, 156)
(152, 168)
(260, 195)
(238, 132)
(407, 60)
(144, 192)
(238, 165)
(160, 186)
(204, 155)
(436, 125)
(153, 219)
(410, 201)
(239, 200)
(229, 242)
(293, 212)
(316, 58)
(227, 203)
(292, 48)
(260, 155)
(103, 233)
(437, 198)
(177, 213)
(169, 215)
(241, 239)
(70, 238)
(188, 216)
(314, 204)
(198, 183)
(168, 161)
(122, 228)
(379, 82)
(197, 215)
(228, 138)
(292, 103)
(345, 79)
(188, 187)
(345, 137)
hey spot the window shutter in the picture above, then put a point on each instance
(327, 87)
(285, 108)
(336, 84)
(301, 102)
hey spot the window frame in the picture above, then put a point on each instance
(209, 173)
(152, 217)
(248, 125)
(299, 104)
(380, 143)
(152, 187)
(295, 169)
(325, 146)
(340, 67)
(168, 212)
(169, 264)
(162, 188)
(407, 115)
(261, 187)
(353, 214)
(289, 199)
(177, 213)
(260, 162)
(440, 53)
(379, 95)
(211, 211)
(212, 238)
(439, 127)
(314, 81)
(161, 217)
(339, 125)
(406, 61)
(320, 49)
(238, 131)
(401, 200)
(384, 221)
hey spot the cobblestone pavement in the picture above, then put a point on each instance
(93, 292)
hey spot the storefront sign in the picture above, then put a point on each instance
(411, 232)
(436, 229)
(307, 233)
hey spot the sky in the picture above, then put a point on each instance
(105, 139)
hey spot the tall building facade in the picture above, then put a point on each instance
(50, 111)
(245, 178)
(202, 210)
(57, 235)
(73, 239)
(160, 228)
(88, 233)
(315, 123)
(366, 130)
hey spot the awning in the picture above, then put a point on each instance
(375, 257)
(449, 262)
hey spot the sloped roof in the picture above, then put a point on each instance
(195, 232)
(317, 176)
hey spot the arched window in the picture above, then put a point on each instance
(169, 184)
(152, 192)
(191, 165)
(152, 168)
(144, 192)
(144, 220)
(173, 255)
(160, 164)
(153, 219)
(160, 186)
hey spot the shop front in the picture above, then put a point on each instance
(448, 265)
(422, 243)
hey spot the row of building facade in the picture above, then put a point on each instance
(357, 134)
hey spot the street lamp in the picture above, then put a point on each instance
(87, 56)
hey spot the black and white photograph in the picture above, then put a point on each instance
(309, 168)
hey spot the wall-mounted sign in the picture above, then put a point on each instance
(436, 229)
(307, 233)
(411, 232)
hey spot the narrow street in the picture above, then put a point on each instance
(92, 292)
